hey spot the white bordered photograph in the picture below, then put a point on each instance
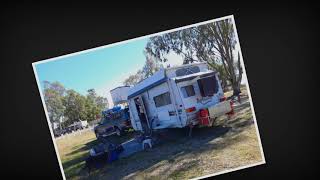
(170, 105)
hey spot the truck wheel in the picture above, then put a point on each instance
(118, 131)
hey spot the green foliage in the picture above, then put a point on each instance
(134, 78)
(94, 105)
(213, 43)
(71, 105)
(75, 104)
(53, 97)
(150, 67)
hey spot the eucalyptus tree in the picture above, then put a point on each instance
(214, 43)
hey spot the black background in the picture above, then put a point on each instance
(279, 44)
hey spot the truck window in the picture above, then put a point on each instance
(162, 99)
(187, 91)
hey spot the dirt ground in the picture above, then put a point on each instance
(231, 143)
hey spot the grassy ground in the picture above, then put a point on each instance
(72, 151)
(231, 143)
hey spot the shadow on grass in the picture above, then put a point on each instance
(85, 147)
(112, 139)
(176, 144)
(170, 152)
(176, 174)
(72, 165)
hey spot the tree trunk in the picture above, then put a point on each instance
(236, 88)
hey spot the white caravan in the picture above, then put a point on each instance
(177, 97)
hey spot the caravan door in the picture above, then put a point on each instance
(142, 113)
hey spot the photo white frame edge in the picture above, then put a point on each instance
(148, 36)
(48, 120)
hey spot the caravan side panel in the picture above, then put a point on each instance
(165, 115)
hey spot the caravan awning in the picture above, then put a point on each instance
(193, 76)
(154, 80)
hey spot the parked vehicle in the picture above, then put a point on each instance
(177, 97)
(59, 132)
(71, 128)
(115, 120)
(78, 125)
(81, 124)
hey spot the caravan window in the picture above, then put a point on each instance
(162, 99)
(208, 86)
(187, 91)
(187, 70)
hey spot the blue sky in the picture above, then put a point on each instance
(102, 69)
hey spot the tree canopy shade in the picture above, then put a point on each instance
(213, 43)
